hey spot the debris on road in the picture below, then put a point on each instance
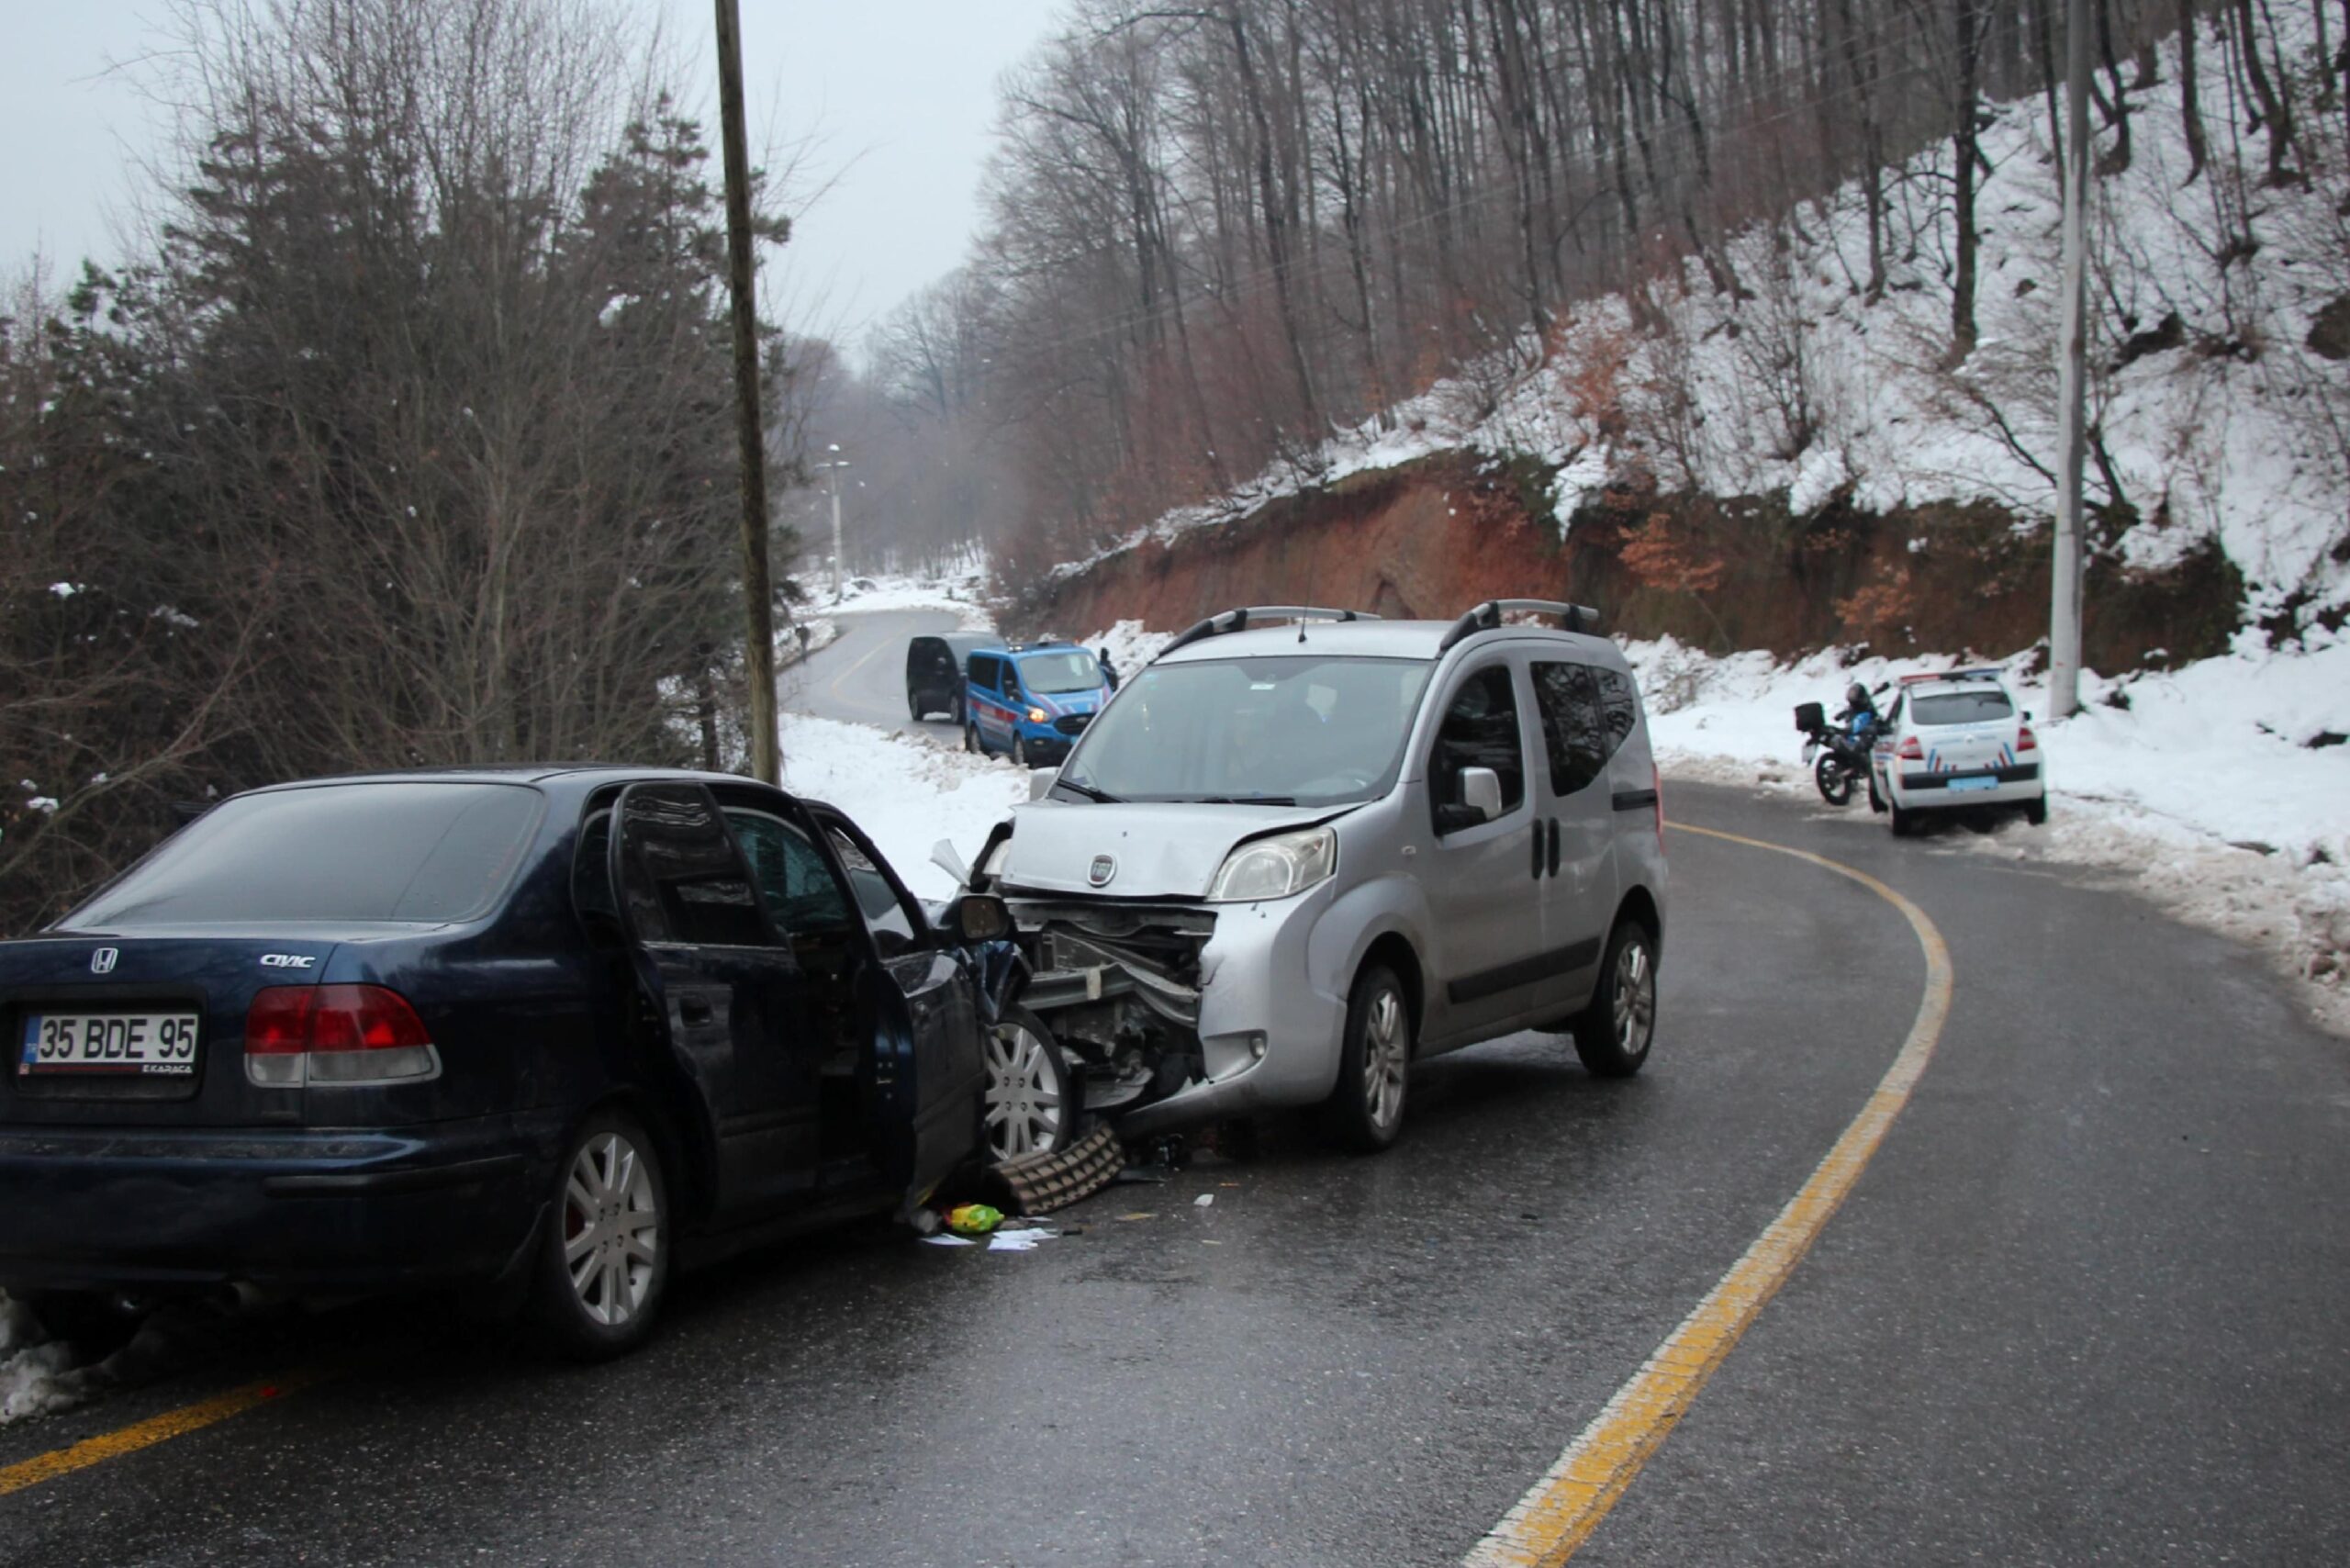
(973, 1219)
(1203, 1200)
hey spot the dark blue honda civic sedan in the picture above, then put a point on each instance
(532, 1032)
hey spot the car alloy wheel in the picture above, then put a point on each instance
(611, 1229)
(1030, 1107)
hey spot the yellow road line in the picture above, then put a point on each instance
(154, 1429)
(835, 687)
(1559, 1513)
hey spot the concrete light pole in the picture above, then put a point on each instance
(833, 478)
(2072, 379)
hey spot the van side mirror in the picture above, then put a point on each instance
(1481, 793)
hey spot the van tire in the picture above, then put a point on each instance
(1613, 1034)
(971, 741)
(1360, 1114)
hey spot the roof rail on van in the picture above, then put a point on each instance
(1241, 620)
(1488, 615)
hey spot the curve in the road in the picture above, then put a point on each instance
(1560, 1511)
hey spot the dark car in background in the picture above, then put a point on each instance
(538, 1034)
(934, 672)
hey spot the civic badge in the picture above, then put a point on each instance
(1104, 868)
(101, 961)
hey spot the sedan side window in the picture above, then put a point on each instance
(799, 889)
(1479, 730)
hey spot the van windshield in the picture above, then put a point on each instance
(1050, 673)
(1302, 730)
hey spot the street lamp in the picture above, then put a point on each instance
(833, 481)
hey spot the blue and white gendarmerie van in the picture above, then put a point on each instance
(1031, 700)
(1955, 740)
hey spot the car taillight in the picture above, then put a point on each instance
(2024, 741)
(1911, 751)
(334, 1033)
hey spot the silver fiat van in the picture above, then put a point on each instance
(1304, 849)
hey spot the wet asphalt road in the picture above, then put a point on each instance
(862, 676)
(2086, 1305)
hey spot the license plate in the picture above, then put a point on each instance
(1985, 782)
(153, 1045)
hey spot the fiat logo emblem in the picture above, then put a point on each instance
(1101, 871)
(101, 961)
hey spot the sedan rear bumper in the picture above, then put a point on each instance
(305, 1210)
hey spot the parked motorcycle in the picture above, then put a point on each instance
(1837, 757)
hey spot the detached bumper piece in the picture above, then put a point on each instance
(1039, 1183)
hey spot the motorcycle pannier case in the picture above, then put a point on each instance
(1810, 716)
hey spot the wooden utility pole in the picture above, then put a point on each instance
(2072, 379)
(758, 596)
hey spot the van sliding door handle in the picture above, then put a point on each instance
(1554, 847)
(1537, 849)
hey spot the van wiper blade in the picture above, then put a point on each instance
(1089, 791)
(1247, 801)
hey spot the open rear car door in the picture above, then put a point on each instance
(728, 991)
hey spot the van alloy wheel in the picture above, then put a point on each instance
(1386, 1058)
(1614, 1032)
(1031, 1104)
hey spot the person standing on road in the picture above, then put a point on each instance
(1109, 671)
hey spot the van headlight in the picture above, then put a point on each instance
(1276, 867)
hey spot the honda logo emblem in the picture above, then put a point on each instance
(101, 961)
(1102, 870)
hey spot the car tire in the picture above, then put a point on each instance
(1614, 1033)
(956, 710)
(971, 741)
(915, 709)
(1365, 1111)
(610, 1207)
(1876, 796)
(1905, 822)
(1020, 750)
(1033, 1106)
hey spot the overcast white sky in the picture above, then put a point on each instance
(897, 96)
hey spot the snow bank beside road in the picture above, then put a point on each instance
(905, 793)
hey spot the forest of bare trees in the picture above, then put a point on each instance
(1216, 229)
(409, 445)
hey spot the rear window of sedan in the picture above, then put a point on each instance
(402, 851)
(1979, 706)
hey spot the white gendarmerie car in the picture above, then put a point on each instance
(1952, 741)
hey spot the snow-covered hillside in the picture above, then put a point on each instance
(2224, 424)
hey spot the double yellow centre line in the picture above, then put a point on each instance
(1559, 1512)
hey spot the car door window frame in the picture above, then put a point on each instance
(616, 851)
